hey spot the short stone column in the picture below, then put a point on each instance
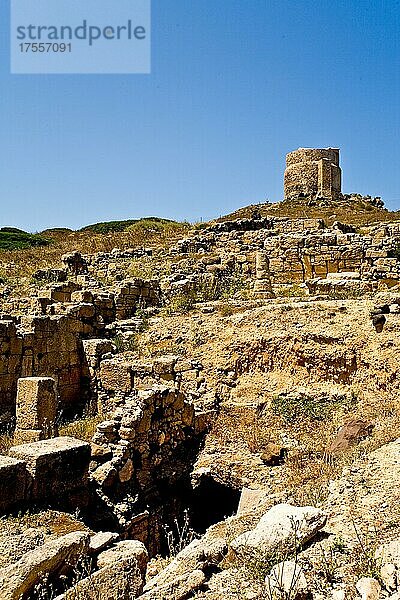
(36, 409)
(262, 285)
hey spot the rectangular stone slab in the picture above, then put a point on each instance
(36, 402)
(13, 483)
(58, 466)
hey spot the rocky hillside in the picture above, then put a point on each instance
(204, 412)
(354, 209)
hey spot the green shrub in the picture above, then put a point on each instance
(292, 406)
(20, 240)
(126, 344)
(131, 224)
(182, 302)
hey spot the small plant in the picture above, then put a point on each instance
(6, 438)
(179, 535)
(47, 589)
(257, 436)
(226, 310)
(234, 285)
(346, 294)
(182, 302)
(366, 565)
(329, 564)
(294, 290)
(142, 268)
(126, 344)
(82, 429)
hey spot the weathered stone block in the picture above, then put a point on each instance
(36, 404)
(13, 482)
(58, 466)
(56, 557)
(28, 436)
(97, 348)
(116, 375)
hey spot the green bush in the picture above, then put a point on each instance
(129, 224)
(292, 406)
(14, 239)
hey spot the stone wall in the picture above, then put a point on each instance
(117, 378)
(46, 339)
(41, 347)
(292, 251)
(146, 450)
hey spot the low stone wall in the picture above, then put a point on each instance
(118, 377)
(293, 251)
(144, 452)
(41, 347)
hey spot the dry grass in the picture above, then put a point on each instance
(82, 429)
(23, 263)
(6, 441)
(54, 522)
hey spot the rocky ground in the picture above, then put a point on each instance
(294, 400)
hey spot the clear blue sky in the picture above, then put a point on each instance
(235, 84)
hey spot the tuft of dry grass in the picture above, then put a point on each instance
(53, 521)
(82, 429)
(6, 441)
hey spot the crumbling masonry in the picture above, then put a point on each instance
(313, 172)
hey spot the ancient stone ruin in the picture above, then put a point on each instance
(236, 318)
(314, 173)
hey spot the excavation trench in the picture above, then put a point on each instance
(170, 514)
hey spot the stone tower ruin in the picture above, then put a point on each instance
(313, 172)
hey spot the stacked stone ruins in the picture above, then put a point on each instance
(58, 353)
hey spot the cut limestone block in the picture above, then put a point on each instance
(116, 375)
(58, 466)
(13, 483)
(27, 436)
(36, 404)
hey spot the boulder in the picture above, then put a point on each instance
(250, 499)
(118, 581)
(100, 541)
(127, 549)
(378, 321)
(281, 529)
(273, 455)
(388, 573)
(388, 556)
(55, 557)
(58, 466)
(178, 589)
(199, 555)
(350, 434)
(14, 482)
